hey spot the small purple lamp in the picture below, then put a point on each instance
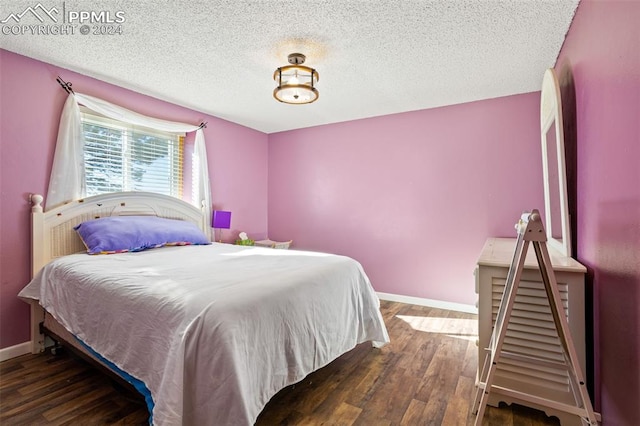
(221, 220)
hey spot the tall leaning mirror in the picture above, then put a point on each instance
(556, 211)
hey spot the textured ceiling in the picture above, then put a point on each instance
(373, 57)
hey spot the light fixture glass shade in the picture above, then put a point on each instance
(296, 84)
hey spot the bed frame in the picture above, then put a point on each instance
(52, 233)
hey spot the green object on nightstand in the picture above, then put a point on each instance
(247, 242)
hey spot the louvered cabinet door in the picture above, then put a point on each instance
(531, 331)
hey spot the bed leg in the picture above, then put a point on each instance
(57, 348)
(37, 338)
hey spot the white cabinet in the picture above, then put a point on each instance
(531, 330)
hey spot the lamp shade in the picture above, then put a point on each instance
(296, 82)
(221, 219)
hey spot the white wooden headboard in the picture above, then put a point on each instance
(52, 233)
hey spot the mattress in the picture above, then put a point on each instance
(213, 331)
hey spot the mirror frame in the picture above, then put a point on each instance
(551, 115)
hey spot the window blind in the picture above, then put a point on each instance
(123, 157)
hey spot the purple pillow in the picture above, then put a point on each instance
(119, 234)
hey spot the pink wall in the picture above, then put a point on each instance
(30, 105)
(601, 53)
(411, 196)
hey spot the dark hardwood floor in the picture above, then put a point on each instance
(425, 376)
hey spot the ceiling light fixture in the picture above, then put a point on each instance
(296, 82)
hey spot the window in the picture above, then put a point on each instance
(119, 156)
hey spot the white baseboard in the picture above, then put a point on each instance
(14, 351)
(460, 307)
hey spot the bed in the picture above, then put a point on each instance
(207, 333)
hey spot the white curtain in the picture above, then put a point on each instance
(67, 182)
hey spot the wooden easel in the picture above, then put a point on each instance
(530, 229)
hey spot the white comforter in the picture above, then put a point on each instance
(213, 331)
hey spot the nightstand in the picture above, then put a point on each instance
(274, 244)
